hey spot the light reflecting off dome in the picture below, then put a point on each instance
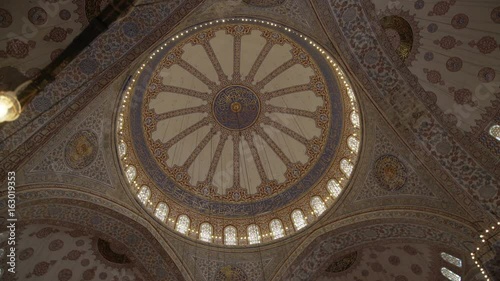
(346, 167)
(253, 234)
(230, 235)
(144, 194)
(353, 144)
(161, 211)
(298, 219)
(450, 275)
(182, 225)
(277, 230)
(131, 172)
(451, 259)
(206, 231)
(495, 131)
(355, 119)
(318, 205)
(334, 188)
(122, 149)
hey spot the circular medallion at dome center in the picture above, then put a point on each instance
(236, 107)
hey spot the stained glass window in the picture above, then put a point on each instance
(495, 131)
(318, 205)
(334, 188)
(277, 230)
(450, 275)
(206, 230)
(253, 234)
(182, 224)
(131, 172)
(161, 211)
(451, 259)
(346, 167)
(355, 119)
(298, 219)
(350, 93)
(230, 235)
(144, 194)
(122, 149)
(353, 144)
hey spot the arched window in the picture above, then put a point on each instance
(353, 144)
(230, 235)
(355, 119)
(350, 93)
(144, 194)
(182, 224)
(131, 172)
(495, 131)
(253, 234)
(451, 259)
(277, 230)
(122, 149)
(206, 231)
(298, 219)
(346, 167)
(450, 275)
(161, 211)
(334, 188)
(318, 205)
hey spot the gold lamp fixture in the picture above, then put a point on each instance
(10, 107)
(12, 102)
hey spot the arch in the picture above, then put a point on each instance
(131, 173)
(277, 230)
(206, 231)
(451, 259)
(122, 149)
(353, 143)
(370, 229)
(230, 235)
(182, 224)
(494, 131)
(102, 218)
(318, 205)
(334, 188)
(253, 234)
(355, 119)
(144, 194)
(161, 211)
(298, 219)
(450, 275)
(346, 167)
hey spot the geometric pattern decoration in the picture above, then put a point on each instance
(77, 153)
(390, 172)
(224, 270)
(378, 182)
(81, 150)
(223, 137)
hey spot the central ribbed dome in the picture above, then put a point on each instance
(234, 119)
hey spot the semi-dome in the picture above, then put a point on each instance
(238, 131)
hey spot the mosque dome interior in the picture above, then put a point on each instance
(250, 140)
